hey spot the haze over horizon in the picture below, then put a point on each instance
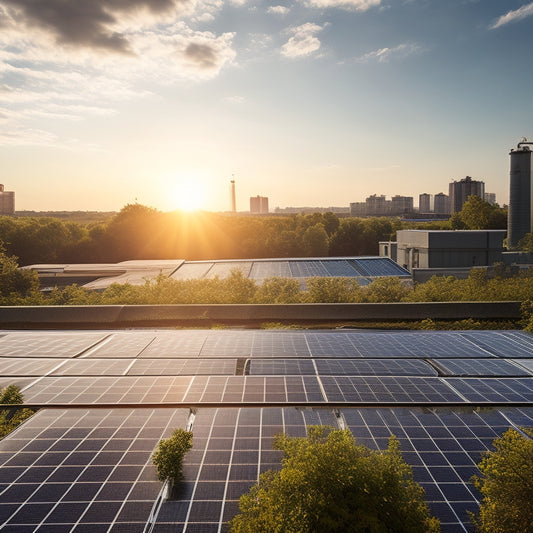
(309, 102)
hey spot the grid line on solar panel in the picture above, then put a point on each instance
(46, 344)
(527, 364)
(494, 390)
(85, 460)
(479, 367)
(500, 345)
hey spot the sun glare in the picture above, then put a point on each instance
(190, 196)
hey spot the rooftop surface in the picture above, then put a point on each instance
(83, 462)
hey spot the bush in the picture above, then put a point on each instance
(330, 484)
(506, 484)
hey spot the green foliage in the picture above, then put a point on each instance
(526, 243)
(387, 289)
(168, 457)
(330, 484)
(17, 286)
(315, 241)
(278, 291)
(333, 290)
(506, 484)
(10, 419)
(479, 214)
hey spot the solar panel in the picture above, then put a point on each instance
(101, 488)
(182, 367)
(307, 269)
(276, 344)
(281, 367)
(270, 269)
(175, 344)
(191, 270)
(227, 344)
(499, 345)
(32, 344)
(25, 366)
(339, 268)
(495, 390)
(374, 367)
(224, 269)
(378, 266)
(526, 363)
(479, 367)
(123, 344)
(388, 389)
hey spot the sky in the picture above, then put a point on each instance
(308, 102)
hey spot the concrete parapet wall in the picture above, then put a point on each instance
(115, 316)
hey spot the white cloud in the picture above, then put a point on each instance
(383, 55)
(513, 16)
(357, 5)
(303, 42)
(278, 10)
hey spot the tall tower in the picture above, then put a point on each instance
(520, 219)
(461, 190)
(233, 200)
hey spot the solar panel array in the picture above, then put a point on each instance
(362, 268)
(83, 462)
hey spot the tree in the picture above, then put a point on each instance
(316, 241)
(526, 243)
(506, 484)
(479, 214)
(16, 283)
(168, 457)
(11, 418)
(329, 484)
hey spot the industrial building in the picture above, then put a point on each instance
(441, 204)
(445, 249)
(378, 206)
(520, 219)
(462, 189)
(7, 201)
(258, 205)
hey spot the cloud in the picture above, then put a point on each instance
(356, 5)
(383, 55)
(303, 42)
(82, 23)
(513, 16)
(278, 10)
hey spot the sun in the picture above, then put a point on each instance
(190, 196)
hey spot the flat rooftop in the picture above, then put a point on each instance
(83, 462)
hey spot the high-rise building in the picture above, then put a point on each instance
(7, 201)
(232, 197)
(424, 203)
(441, 204)
(259, 205)
(490, 197)
(520, 220)
(461, 190)
(401, 205)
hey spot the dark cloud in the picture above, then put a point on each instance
(203, 55)
(86, 23)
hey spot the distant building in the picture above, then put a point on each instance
(461, 190)
(520, 219)
(259, 205)
(490, 197)
(424, 203)
(7, 201)
(441, 204)
(379, 206)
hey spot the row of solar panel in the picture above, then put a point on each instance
(90, 470)
(207, 343)
(140, 390)
(371, 267)
(257, 367)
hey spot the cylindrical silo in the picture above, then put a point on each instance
(520, 219)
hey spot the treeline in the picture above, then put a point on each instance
(140, 232)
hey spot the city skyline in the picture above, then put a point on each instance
(310, 102)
